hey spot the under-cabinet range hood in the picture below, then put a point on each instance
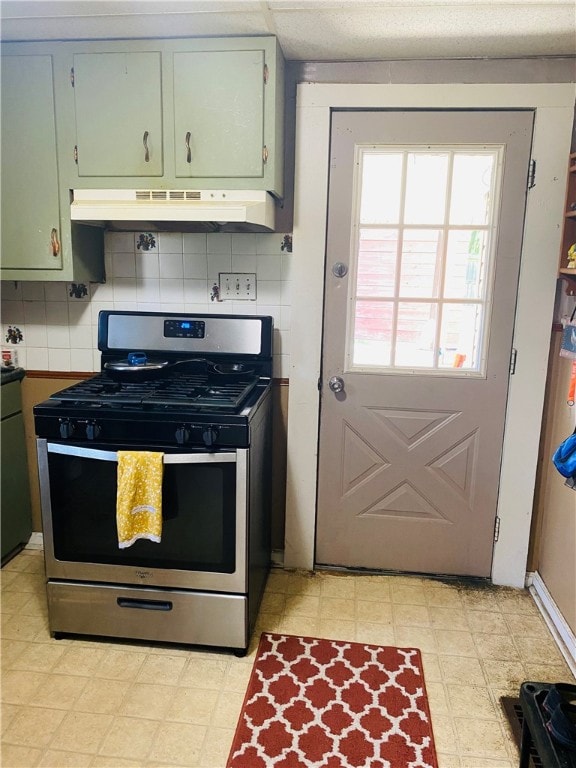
(177, 210)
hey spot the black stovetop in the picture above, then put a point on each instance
(185, 392)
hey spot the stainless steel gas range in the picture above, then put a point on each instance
(197, 389)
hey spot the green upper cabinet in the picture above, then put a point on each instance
(219, 114)
(186, 113)
(118, 105)
(30, 204)
(39, 242)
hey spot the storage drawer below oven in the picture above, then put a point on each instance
(162, 615)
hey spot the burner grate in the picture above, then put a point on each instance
(183, 390)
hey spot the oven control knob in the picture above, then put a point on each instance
(210, 436)
(66, 428)
(182, 435)
(93, 430)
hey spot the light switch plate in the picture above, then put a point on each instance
(237, 286)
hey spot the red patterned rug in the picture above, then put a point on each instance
(329, 704)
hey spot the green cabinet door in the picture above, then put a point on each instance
(118, 99)
(219, 114)
(30, 206)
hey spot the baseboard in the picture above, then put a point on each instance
(562, 633)
(36, 541)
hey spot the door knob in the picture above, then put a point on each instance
(336, 384)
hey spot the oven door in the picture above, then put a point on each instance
(204, 511)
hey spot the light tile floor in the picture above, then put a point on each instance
(81, 703)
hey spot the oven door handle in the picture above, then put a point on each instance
(169, 458)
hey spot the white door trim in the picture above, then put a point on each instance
(554, 104)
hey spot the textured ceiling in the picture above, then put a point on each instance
(316, 30)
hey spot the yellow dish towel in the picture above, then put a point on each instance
(139, 497)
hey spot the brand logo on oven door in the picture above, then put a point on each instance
(143, 574)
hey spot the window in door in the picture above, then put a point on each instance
(424, 237)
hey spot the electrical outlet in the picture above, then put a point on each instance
(237, 286)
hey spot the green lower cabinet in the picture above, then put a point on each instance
(16, 515)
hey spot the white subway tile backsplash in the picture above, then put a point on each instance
(37, 335)
(286, 293)
(82, 360)
(195, 266)
(244, 262)
(169, 242)
(194, 243)
(100, 306)
(195, 291)
(36, 358)
(80, 337)
(175, 275)
(124, 265)
(33, 291)
(268, 267)
(54, 292)
(171, 265)
(80, 313)
(34, 312)
(59, 360)
(171, 291)
(57, 313)
(269, 243)
(58, 337)
(287, 261)
(102, 292)
(147, 291)
(124, 289)
(218, 263)
(148, 265)
(12, 312)
(243, 244)
(268, 292)
(219, 244)
(11, 290)
(120, 242)
(153, 306)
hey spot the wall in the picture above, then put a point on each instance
(553, 552)
(59, 331)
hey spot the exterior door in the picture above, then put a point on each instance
(425, 225)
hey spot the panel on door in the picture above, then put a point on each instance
(30, 202)
(118, 99)
(426, 214)
(219, 114)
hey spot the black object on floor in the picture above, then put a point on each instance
(536, 734)
(515, 716)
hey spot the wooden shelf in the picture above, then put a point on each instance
(569, 233)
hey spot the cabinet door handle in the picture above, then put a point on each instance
(54, 242)
(188, 150)
(146, 150)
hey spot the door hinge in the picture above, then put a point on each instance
(532, 174)
(266, 74)
(265, 153)
(76, 154)
(513, 357)
(72, 77)
(496, 528)
(319, 384)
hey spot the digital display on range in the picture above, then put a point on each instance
(184, 329)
